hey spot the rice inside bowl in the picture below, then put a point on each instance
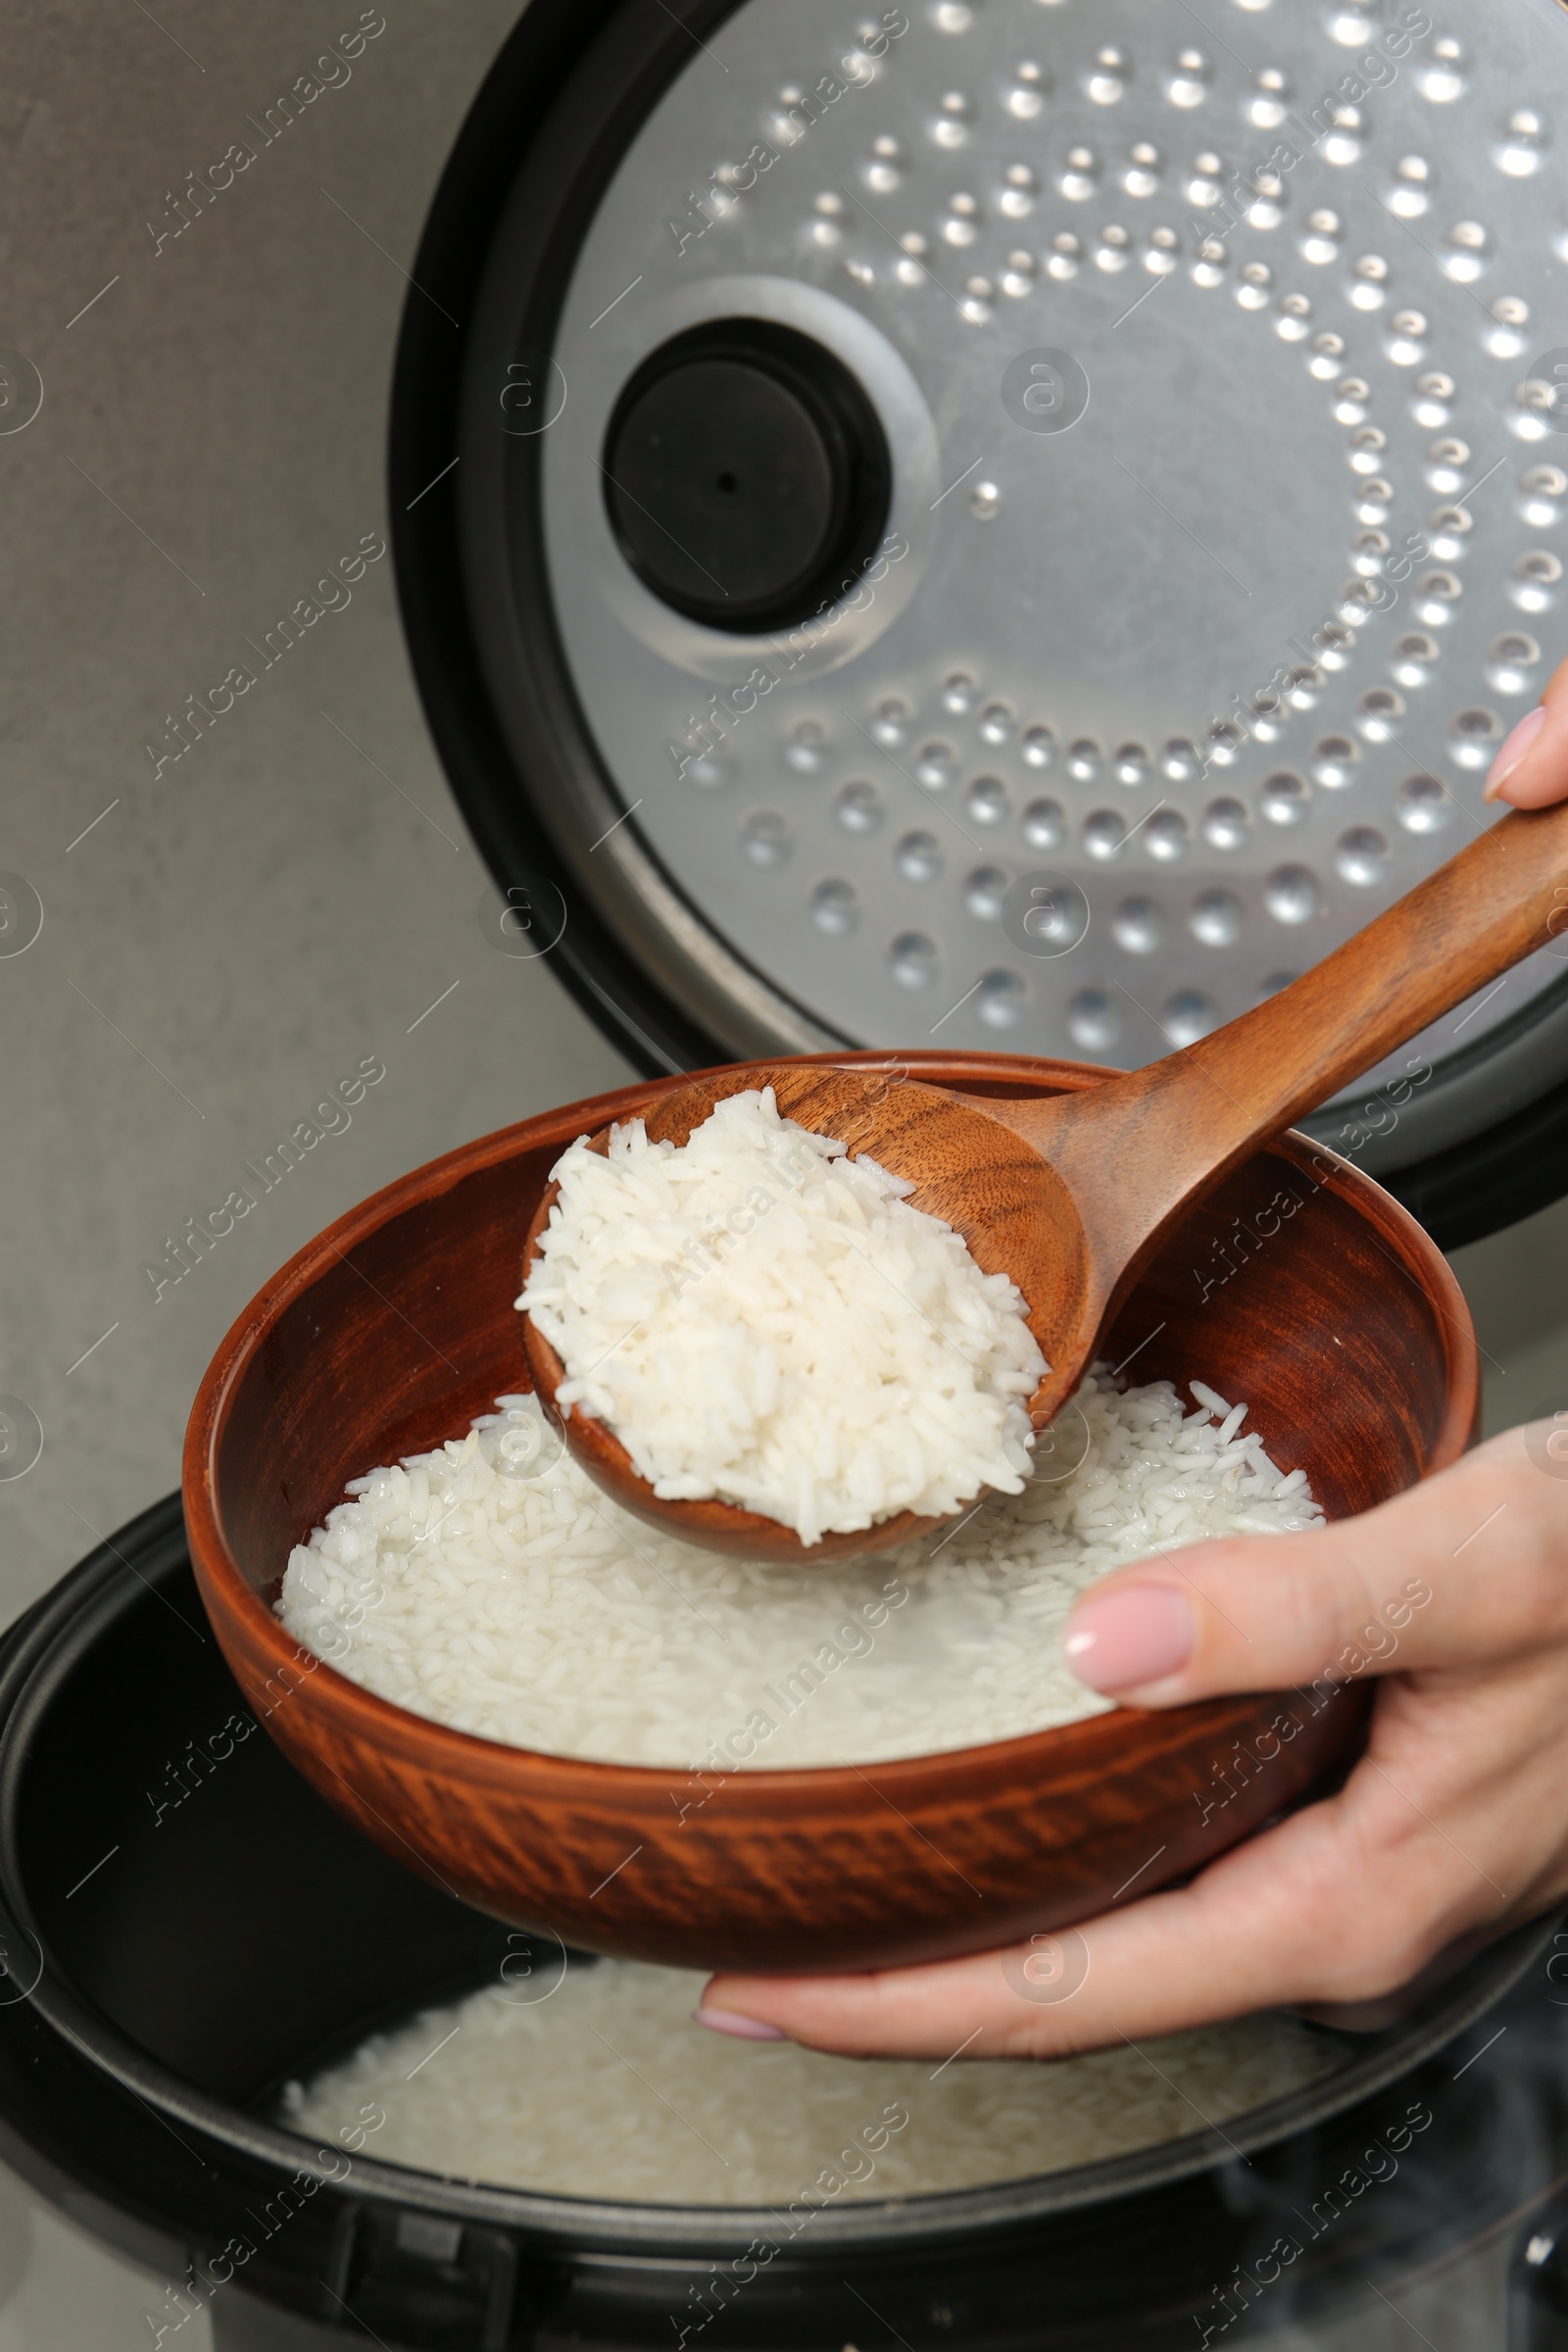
(489, 1584)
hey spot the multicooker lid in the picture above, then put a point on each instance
(1019, 521)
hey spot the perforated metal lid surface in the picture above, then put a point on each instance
(1214, 352)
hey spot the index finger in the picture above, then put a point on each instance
(1531, 771)
(1464, 1571)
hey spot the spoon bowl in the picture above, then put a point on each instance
(1072, 1197)
(976, 1174)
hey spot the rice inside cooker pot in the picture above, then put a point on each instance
(604, 2087)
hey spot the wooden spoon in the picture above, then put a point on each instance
(1072, 1196)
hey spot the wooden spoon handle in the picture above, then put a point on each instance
(1135, 1151)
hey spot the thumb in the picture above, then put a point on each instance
(1464, 1569)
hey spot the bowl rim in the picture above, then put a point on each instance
(1081, 1745)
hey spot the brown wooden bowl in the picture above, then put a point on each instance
(1300, 1286)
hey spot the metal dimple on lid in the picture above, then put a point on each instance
(1541, 492)
(985, 892)
(950, 124)
(999, 998)
(1266, 109)
(913, 960)
(936, 767)
(1521, 144)
(835, 907)
(1045, 825)
(1094, 1021)
(1216, 919)
(805, 748)
(1377, 714)
(860, 807)
(919, 857)
(987, 801)
(1285, 799)
(1080, 174)
(962, 224)
(1021, 186)
(1450, 531)
(1186, 84)
(1407, 339)
(1140, 175)
(1319, 242)
(1447, 460)
(1105, 81)
(1409, 195)
(1025, 97)
(1138, 925)
(1291, 894)
(1019, 274)
(1227, 824)
(1441, 77)
(1342, 144)
(1361, 856)
(1504, 339)
(1353, 27)
(711, 772)
(1423, 806)
(1433, 403)
(1335, 761)
(765, 840)
(1415, 658)
(1188, 1015)
(892, 726)
(1512, 662)
(1533, 583)
(1165, 836)
(1475, 737)
(1436, 595)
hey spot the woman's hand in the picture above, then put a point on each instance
(1452, 1828)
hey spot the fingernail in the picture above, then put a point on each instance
(1138, 1634)
(743, 2029)
(1515, 751)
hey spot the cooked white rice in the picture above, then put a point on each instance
(491, 1586)
(605, 2088)
(760, 1317)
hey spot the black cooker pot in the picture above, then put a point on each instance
(186, 1926)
